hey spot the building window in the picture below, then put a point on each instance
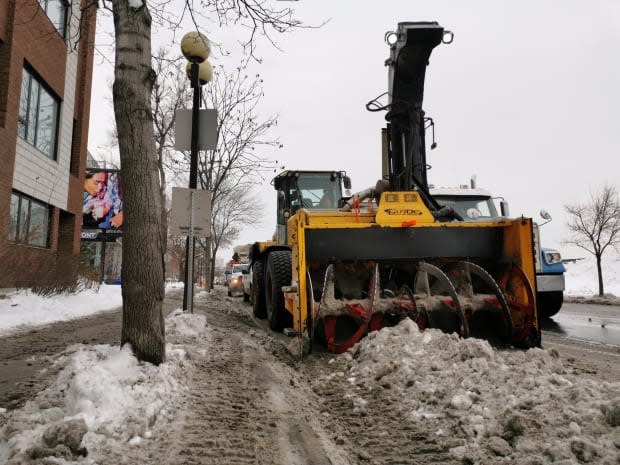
(56, 11)
(38, 115)
(30, 221)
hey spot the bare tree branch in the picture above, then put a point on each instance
(595, 226)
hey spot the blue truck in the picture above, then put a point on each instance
(473, 204)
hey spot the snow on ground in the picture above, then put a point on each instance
(104, 400)
(22, 309)
(507, 406)
(581, 277)
(501, 406)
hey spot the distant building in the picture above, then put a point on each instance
(46, 61)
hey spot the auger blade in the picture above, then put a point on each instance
(519, 295)
(344, 314)
(483, 302)
(437, 301)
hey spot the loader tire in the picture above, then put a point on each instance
(258, 289)
(278, 274)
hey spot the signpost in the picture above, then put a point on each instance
(191, 212)
(207, 129)
(191, 217)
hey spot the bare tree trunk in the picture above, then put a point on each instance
(143, 263)
(208, 270)
(212, 264)
(599, 270)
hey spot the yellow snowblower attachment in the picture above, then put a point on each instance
(355, 264)
(353, 272)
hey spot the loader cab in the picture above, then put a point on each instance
(312, 190)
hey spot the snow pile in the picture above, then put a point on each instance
(490, 406)
(185, 328)
(119, 400)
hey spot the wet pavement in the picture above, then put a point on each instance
(586, 322)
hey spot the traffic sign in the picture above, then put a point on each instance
(191, 212)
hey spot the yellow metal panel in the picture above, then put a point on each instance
(519, 243)
(403, 209)
(294, 301)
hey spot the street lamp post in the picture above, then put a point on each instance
(196, 49)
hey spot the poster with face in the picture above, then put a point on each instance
(102, 204)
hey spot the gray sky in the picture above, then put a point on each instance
(525, 98)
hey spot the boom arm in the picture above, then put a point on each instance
(409, 56)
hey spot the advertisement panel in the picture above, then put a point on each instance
(102, 205)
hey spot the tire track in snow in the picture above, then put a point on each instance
(223, 421)
(375, 431)
(246, 405)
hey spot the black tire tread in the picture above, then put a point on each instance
(549, 303)
(259, 310)
(279, 267)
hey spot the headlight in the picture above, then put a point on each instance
(552, 257)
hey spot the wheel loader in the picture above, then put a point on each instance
(342, 265)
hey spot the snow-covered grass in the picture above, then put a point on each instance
(23, 309)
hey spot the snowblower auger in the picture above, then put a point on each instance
(464, 299)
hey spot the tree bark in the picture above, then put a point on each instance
(599, 270)
(212, 264)
(143, 259)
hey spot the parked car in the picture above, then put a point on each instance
(235, 280)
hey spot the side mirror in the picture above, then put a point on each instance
(544, 214)
(347, 182)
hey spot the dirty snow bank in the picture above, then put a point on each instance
(104, 397)
(491, 406)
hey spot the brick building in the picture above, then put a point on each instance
(46, 61)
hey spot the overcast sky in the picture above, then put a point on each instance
(526, 98)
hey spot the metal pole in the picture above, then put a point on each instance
(188, 296)
(190, 256)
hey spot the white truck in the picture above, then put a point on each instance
(474, 204)
(237, 276)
